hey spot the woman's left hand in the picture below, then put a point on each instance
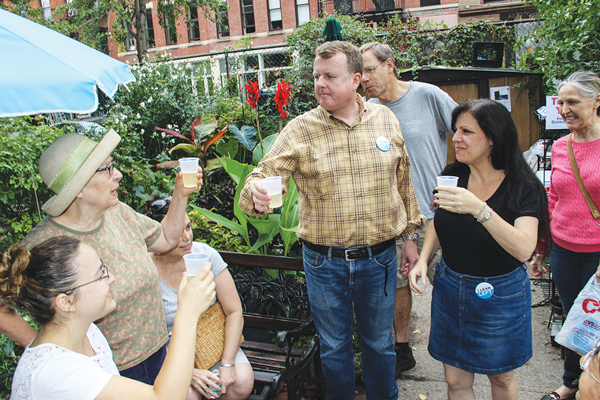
(457, 200)
(228, 376)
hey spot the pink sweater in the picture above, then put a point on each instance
(572, 224)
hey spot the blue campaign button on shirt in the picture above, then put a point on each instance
(484, 290)
(383, 143)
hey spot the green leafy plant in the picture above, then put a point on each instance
(200, 142)
(164, 94)
(267, 226)
(567, 39)
(215, 235)
(22, 191)
(418, 44)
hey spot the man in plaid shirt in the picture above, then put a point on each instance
(355, 196)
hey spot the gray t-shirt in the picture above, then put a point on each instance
(169, 294)
(425, 115)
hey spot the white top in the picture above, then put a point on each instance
(51, 372)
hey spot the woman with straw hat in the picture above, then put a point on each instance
(86, 206)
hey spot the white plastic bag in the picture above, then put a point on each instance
(582, 327)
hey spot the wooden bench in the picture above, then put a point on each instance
(277, 304)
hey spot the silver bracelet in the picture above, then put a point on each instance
(481, 212)
(228, 365)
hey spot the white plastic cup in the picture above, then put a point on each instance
(447, 180)
(189, 167)
(194, 262)
(273, 186)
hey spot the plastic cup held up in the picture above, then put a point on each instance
(194, 262)
(189, 167)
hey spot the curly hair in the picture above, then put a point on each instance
(30, 280)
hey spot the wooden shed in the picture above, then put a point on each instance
(473, 83)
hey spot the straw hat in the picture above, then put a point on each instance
(68, 165)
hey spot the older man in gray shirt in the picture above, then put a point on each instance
(424, 112)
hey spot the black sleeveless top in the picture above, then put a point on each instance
(467, 247)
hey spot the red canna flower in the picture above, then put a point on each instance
(281, 97)
(252, 93)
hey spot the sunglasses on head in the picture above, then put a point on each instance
(158, 205)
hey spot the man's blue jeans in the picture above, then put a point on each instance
(333, 285)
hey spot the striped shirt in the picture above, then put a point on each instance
(354, 186)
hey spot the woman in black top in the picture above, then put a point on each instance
(487, 228)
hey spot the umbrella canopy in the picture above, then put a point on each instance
(43, 71)
(333, 30)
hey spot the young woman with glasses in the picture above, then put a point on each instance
(65, 287)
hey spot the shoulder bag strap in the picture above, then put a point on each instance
(586, 195)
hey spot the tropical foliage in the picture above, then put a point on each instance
(566, 42)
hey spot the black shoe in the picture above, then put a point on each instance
(404, 361)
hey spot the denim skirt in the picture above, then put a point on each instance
(481, 324)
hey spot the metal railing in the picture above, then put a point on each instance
(360, 6)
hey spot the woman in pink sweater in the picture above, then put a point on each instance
(576, 234)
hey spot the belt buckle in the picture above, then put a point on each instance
(356, 252)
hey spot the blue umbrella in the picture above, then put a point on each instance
(43, 71)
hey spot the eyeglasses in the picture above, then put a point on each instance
(585, 361)
(103, 275)
(371, 70)
(110, 168)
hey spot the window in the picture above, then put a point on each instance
(151, 39)
(247, 17)
(170, 27)
(223, 21)
(130, 41)
(425, 3)
(275, 22)
(193, 28)
(71, 12)
(302, 11)
(103, 41)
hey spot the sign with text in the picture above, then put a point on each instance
(553, 118)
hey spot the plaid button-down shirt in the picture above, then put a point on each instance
(352, 190)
